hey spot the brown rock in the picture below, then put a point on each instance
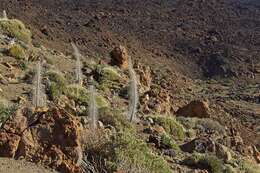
(8, 144)
(201, 145)
(236, 141)
(52, 138)
(27, 146)
(119, 57)
(223, 153)
(156, 100)
(158, 129)
(17, 124)
(145, 78)
(256, 154)
(195, 108)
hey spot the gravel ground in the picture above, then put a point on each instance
(20, 166)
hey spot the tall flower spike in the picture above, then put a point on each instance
(93, 113)
(133, 92)
(38, 93)
(4, 14)
(78, 67)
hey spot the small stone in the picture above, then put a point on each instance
(100, 125)
(150, 120)
(170, 152)
(148, 130)
(155, 139)
(158, 129)
(223, 153)
(256, 154)
(8, 65)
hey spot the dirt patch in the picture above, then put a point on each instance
(18, 166)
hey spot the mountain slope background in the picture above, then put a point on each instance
(196, 38)
(199, 68)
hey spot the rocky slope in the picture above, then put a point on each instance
(214, 38)
(184, 124)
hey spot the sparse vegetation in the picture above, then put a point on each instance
(201, 124)
(115, 118)
(170, 125)
(57, 83)
(204, 161)
(133, 92)
(136, 154)
(125, 151)
(17, 52)
(15, 28)
(249, 167)
(108, 78)
(168, 142)
(6, 110)
(82, 95)
(109, 73)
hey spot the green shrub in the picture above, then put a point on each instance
(249, 167)
(23, 65)
(115, 118)
(125, 150)
(56, 76)
(58, 84)
(197, 123)
(135, 153)
(15, 28)
(17, 52)
(167, 141)
(208, 162)
(230, 169)
(6, 110)
(108, 78)
(170, 125)
(109, 73)
(81, 94)
(211, 163)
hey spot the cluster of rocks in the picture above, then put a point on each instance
(51, 138)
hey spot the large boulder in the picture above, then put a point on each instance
(119, 57)
(195, 108)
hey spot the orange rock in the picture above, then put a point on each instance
(195, 108)
(158, 129)
(17, 124)
(8, 144)
(52, 138)
(256, 154)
